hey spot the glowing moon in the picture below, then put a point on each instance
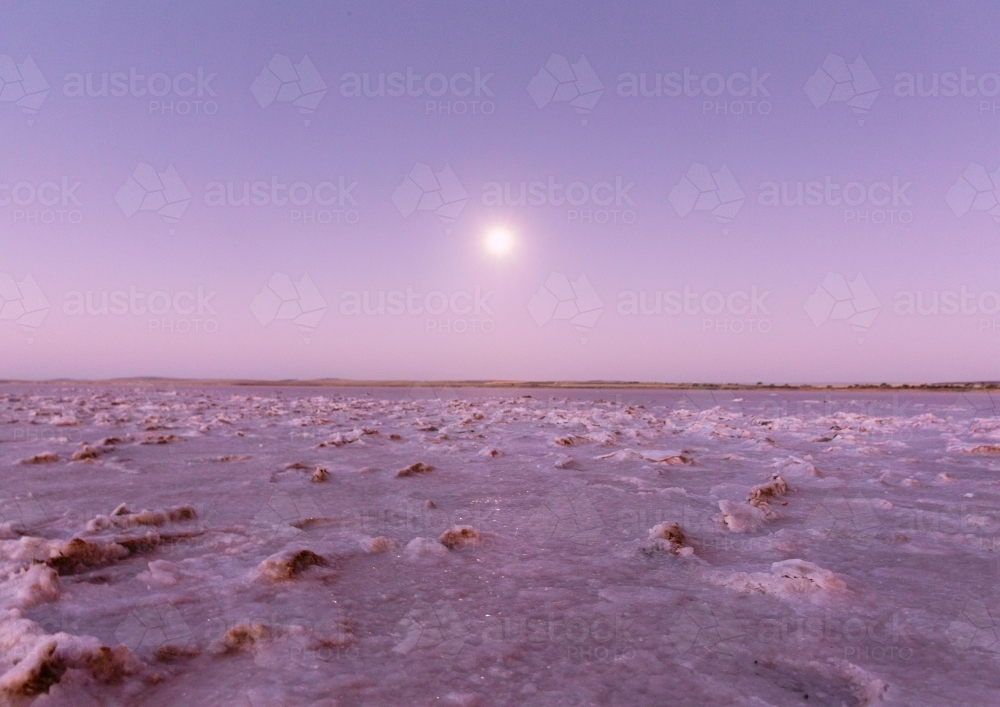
(499, 241)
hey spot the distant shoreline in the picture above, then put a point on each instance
(501, 384)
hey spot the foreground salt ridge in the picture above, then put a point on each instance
(459, 533)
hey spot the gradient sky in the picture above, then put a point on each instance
(920, 244)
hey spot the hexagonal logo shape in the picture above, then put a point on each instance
(706, 628)
(149, 190)
(426, 627)
(281, 511)
(563, 518)
(836, 81)
(700, 189)
(23, 302)
(148, 627)
(975, 627)
(281, 81)
(20, 511)
(423, 189)
(842, 519)
(22, 84)
(976, 190)
(299, 302)
(559, 299)
(559, 81)
(835, 299)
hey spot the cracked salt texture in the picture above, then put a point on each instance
(841, 550)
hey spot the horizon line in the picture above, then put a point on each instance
(500, 383)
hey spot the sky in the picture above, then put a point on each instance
(712, 191)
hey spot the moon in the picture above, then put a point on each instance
(499, 241)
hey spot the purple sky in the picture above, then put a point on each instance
(73, 223)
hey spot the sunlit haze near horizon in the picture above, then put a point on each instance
(682, 192)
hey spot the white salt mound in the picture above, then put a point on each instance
(459, 536)
(425, 547)
(742, 517)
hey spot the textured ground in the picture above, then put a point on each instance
(296, 547)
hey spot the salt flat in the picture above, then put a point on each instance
(323, 546)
